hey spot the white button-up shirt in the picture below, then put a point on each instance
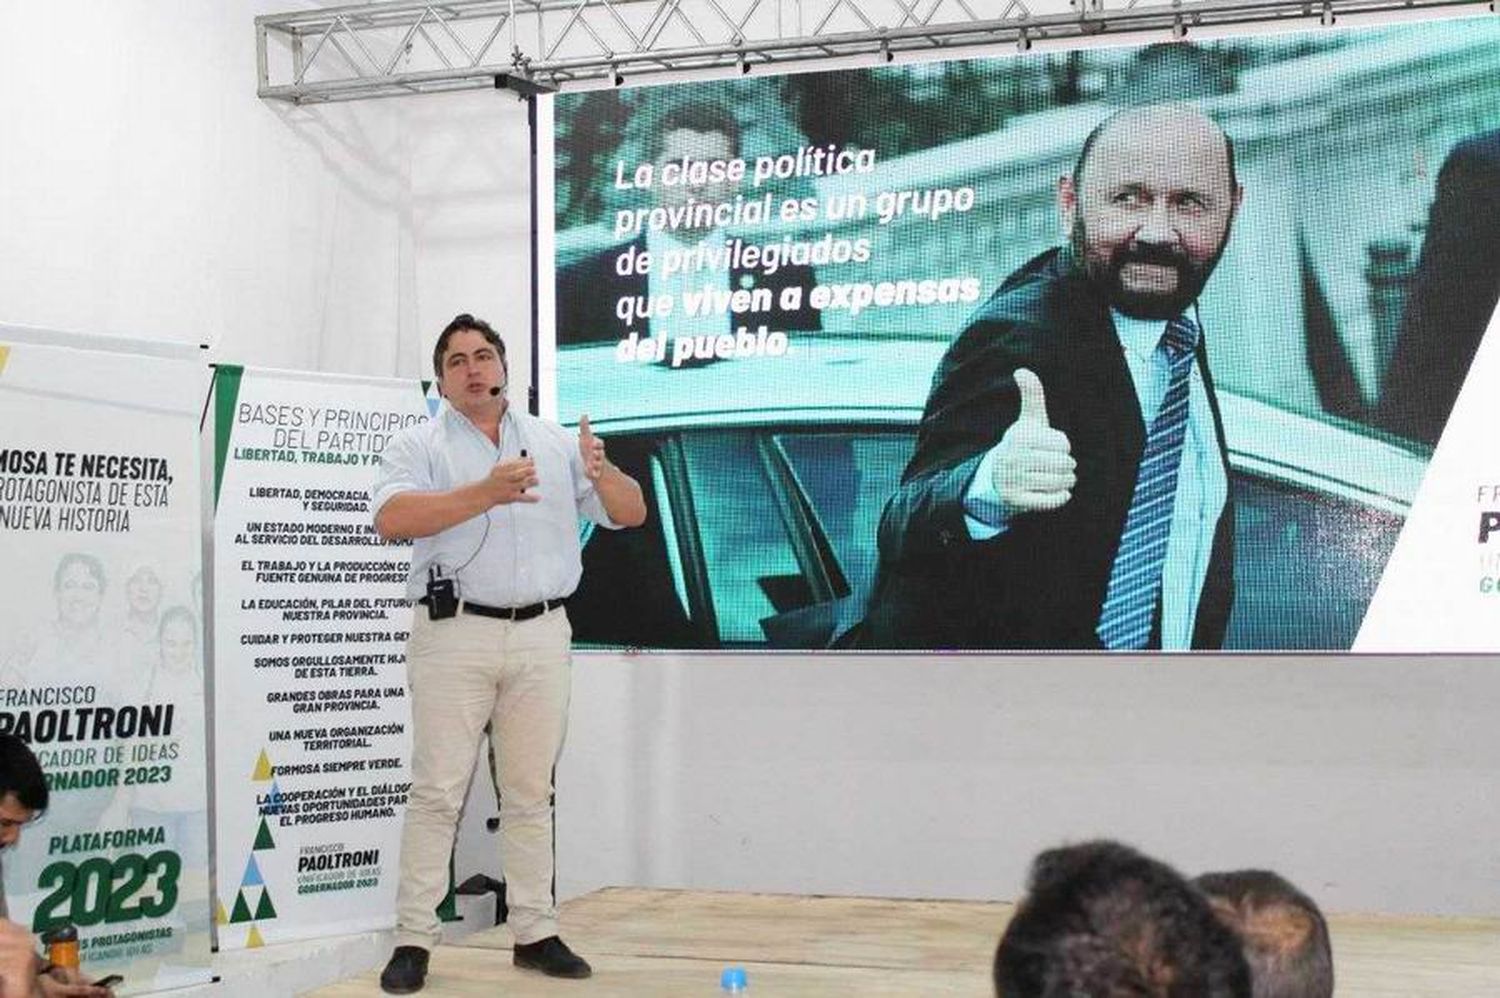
(514, 554)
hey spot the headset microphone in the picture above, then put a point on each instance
(494, 390)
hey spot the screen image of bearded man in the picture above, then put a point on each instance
(1069, 486)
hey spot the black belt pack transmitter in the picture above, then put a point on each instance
(442, 598)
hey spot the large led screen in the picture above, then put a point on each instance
(1131, 348)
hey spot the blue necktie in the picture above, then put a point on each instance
(1135, 581)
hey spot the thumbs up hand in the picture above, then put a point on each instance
(591, 448)
(1034, 467)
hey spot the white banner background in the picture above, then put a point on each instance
(101, 636)
(312, 718)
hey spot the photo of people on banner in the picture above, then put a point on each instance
(1139, 348)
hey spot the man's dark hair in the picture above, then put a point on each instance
(695, 115)
(1281, 931)
(21, 774)
(90, 564)
(1103, 920)
(460, 323)
(1103, 126)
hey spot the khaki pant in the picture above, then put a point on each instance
(462, 673)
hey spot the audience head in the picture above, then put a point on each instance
(1103, 920)
(23, 788)
(1281, 930)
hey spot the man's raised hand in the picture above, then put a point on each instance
(509, 481)
(1034, 467)
(591, 449)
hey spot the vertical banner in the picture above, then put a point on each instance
(313, 748)
(101, 664)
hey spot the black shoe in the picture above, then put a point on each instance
(552, 957)
(406, 972)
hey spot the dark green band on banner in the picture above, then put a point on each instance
(226, 395)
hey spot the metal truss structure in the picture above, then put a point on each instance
(397, 48)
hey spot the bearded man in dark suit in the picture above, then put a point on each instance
(1069, 488)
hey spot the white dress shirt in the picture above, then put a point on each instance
(514, 554)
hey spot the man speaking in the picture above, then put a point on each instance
(492, 498)
(1069, 488)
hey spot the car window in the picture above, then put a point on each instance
(848, 478)
(1305, 565)
(751, 567)
(1306, 562)
(633, 593)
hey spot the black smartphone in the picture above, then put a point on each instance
(112, 981)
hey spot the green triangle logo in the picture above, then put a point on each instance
(241, 911)
(265, 909)
(263, 838)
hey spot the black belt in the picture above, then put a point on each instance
(507, 612)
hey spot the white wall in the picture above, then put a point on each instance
(1370, 782)
(145, 190)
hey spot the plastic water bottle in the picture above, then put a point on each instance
(733, 981)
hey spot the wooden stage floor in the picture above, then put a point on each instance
(673, 944)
